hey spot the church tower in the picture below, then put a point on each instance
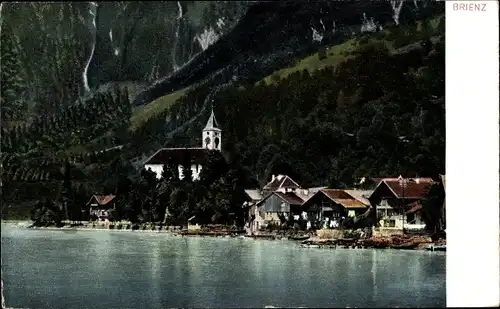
(211, 136)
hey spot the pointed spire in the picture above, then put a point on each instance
(212, 122)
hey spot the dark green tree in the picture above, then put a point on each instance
(432, 208)
(12, 75)
(168, 181)
(66, 199)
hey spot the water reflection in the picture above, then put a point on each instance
(126, 270)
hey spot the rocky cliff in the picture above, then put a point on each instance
(68, 49)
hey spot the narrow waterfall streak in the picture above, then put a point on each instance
(396, 9)
(316, 36)
(323, 25)
(116, 50)
(1, 20)
(176, 42)
(93, 13)
(207, 38)
(368, 25)
(220, 22)
(180, 10)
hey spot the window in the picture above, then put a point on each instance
(410, 218)
(390, 223)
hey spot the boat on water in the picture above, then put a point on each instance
(408, 246)
(304, 237)
(433, 247)
(309, 246)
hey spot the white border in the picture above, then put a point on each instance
(472, 162)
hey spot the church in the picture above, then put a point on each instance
(211, 140)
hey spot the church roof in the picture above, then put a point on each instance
(178, 156)
(212, 123)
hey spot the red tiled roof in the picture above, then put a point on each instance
(341, 197)
(377, 180)
(414, 207)
(350, 203)
(337, 194)
(361, 195)
(291, 198)
(410, 190)
(281, 181)
(178, 155)
(104, 199)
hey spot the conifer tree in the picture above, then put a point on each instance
(66, 191)
(12, 76)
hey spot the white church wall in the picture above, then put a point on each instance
(195, 170)
(158, 169)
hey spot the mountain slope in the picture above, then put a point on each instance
(69, 49)
(271, 34)
(371, 105)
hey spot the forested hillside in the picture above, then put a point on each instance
(377, 110)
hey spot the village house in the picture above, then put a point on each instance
(443, 214)
(193, 224)
(332, 205)
(414, 219)
(193, 157)
(281, 196)
(101, 206)
(288, 192)
(281, 183)
(276, 204)
(398, 202)
(253, 196)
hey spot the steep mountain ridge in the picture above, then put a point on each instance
(68, 49)
(271, 34)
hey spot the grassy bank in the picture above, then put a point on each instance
(142, 114)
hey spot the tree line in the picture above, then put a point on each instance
(215, 198)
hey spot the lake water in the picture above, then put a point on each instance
(102, 269)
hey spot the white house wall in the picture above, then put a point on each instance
(158, 169)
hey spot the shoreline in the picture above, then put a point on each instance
(407, 243)
(80, 229)
(26, 224)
